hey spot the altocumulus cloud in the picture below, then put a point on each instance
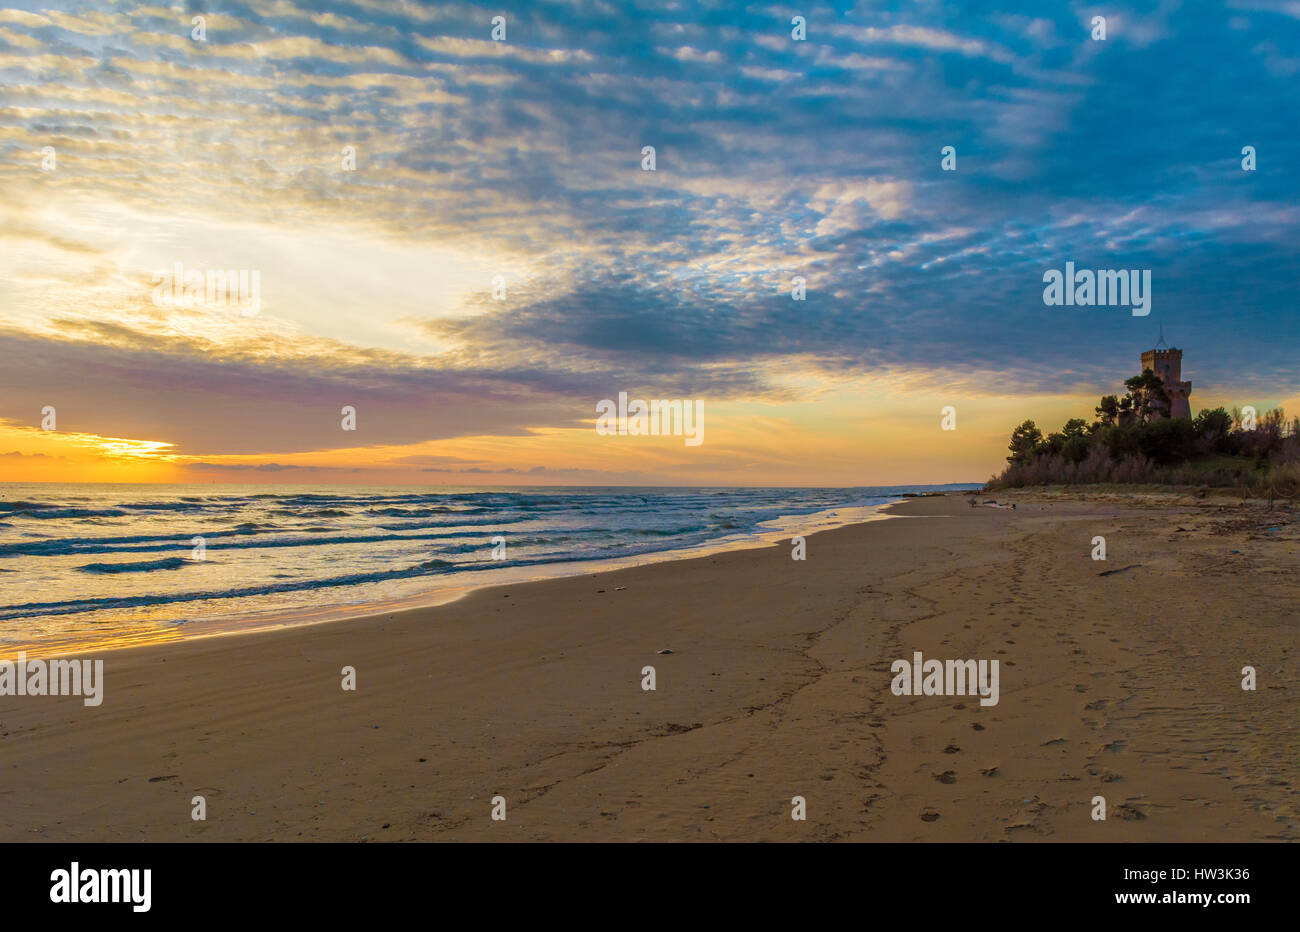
(775, 158)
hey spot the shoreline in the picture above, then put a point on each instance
(777, 685)
(241, 624)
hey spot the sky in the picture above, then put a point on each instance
(456, 236)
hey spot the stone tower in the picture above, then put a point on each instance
(1168, 364)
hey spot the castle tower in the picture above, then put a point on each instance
(1168, 364)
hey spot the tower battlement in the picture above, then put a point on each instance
(1168, 365)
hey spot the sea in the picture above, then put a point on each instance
(99, 566)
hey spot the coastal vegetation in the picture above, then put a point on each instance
(1133, 440)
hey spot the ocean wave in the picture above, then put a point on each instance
(53, 514)
(237, 540)
(146, 566)
(319, 513)
(296, 543)
(23, 506)
(670, 531)
(392, 512)
(71, 606)
(164, 506)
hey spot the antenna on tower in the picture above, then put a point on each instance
(1162, 338)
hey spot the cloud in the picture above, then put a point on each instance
(259, 467)
(522, 159)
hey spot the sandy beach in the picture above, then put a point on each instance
(1119, 679)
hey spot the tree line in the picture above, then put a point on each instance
(1132, 439)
